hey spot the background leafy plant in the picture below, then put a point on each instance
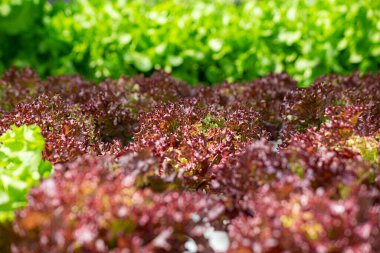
(21, 32)
(207, 41)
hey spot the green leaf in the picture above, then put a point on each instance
(124, 39)
(141, 62)
(215, 44)
(175, 61)
(355, 58)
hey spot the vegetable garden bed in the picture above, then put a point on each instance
(154, 165)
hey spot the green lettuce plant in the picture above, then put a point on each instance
(201, 40)
(21, 167)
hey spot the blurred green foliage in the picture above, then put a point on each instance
(21, 167)
(207, 41)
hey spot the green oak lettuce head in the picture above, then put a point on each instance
(21, 167)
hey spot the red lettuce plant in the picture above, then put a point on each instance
(150, 164)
